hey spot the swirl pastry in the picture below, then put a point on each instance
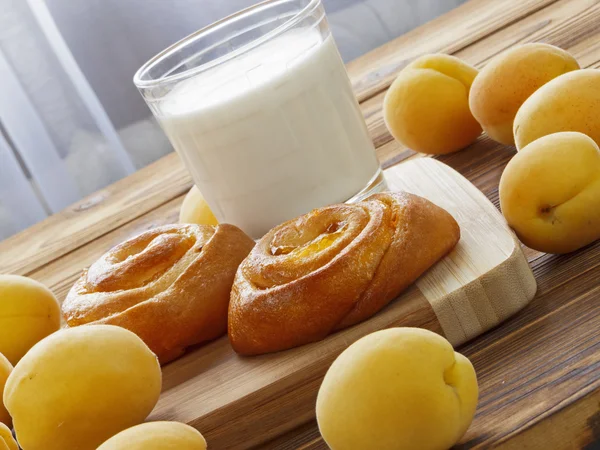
(169, 285)
(332, 268)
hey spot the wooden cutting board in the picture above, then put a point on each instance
(240, 402)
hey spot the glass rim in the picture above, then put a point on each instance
(172, 49)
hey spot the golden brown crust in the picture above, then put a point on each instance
(169, 285)
(332, 268)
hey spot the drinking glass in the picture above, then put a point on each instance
(261, 110)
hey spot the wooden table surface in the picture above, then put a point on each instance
(539, 372)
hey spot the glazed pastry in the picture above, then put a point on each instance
(332, 268)
(169, 285)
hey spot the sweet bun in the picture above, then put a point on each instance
(169, 285)
(333, 268)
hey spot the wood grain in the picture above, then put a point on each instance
(569, 24)
(576, 426)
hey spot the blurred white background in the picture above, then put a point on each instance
(71, 120)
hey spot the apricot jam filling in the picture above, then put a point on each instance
(316, 245)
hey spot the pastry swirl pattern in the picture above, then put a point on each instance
(169, 285)
(332, 268)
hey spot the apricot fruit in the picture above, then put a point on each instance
(29, 312)
(550, 193)
(508, 80)
(7, 442)
(5, 370)
(570, 102)
(79, 386)
(157, 436)
(194, 209)
(427, 107)
(400, 388)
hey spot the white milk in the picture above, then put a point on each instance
(273, 133)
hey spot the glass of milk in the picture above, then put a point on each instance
(261, 110)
